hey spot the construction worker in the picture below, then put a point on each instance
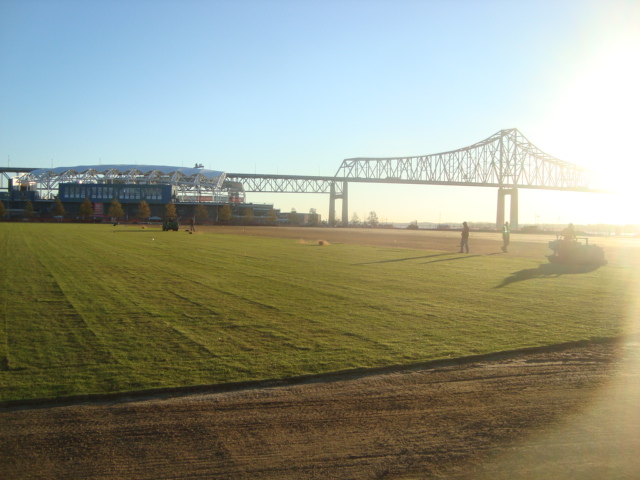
(464, 240)
(506, 236)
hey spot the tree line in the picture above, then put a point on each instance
(116, 211)
(201, 215)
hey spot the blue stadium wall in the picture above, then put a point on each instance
(125, 193)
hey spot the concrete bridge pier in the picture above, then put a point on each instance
(345, 204)
(332, 204)
(513, 210)
(344, 196)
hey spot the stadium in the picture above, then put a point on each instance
(157, 185)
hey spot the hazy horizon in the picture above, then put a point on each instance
(296, 87)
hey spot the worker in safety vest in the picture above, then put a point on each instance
(506, 236)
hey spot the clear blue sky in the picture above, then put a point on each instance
(295, 87)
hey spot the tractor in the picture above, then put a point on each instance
(575, 251)
(170, 225)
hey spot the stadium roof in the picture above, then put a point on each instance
(188, 181)
(130, 169)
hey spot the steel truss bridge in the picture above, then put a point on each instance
(506, 161)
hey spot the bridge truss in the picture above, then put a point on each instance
(505, 160)
(285, 183)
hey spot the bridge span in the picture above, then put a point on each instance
(506, 161)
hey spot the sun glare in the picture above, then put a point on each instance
(596, 126)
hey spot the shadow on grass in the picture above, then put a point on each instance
(406, 259)
(546, 270)
(460, 257)
(457, 256)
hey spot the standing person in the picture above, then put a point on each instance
(568, 240)
(505, 236)
(192, 227)
(464, 241)
(569, 233)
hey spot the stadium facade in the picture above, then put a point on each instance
(157, 185)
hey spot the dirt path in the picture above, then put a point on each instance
(568, 413)
(563, 413)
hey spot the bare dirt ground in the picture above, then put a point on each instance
(568, 412)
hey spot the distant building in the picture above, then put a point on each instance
(157, 185)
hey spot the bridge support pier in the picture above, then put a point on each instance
(344, 196)
(332, 204)
(513, 210)
(345, 204)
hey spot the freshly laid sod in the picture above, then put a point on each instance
(100, 309)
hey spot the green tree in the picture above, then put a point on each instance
(272, 217)
(144, 211)
(201, 213)
(115, 209)
(86, 209)
(293, 217)
(314, 218)
(355, 219)
(3, 210)
(372, 219)
(247, 215)
(225, 215)
(58, 209)
(28, 210)
(170, 211)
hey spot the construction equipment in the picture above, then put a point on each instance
(575, 251)
(170, 225)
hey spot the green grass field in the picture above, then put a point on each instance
(101, 309)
